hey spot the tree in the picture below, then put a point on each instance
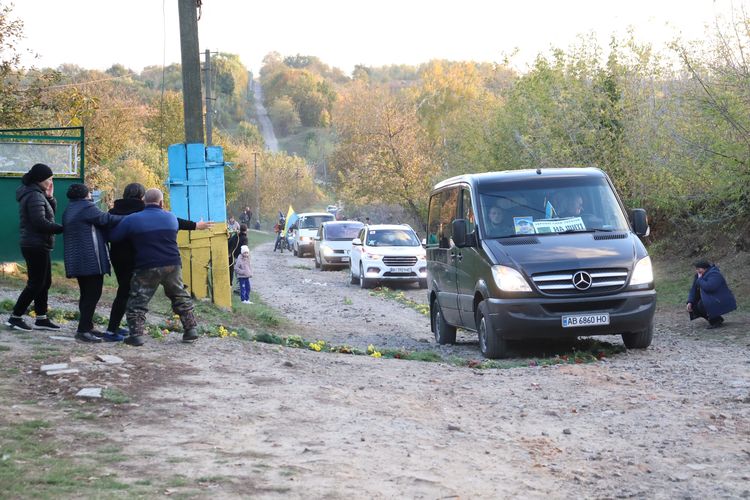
(383, 155)
(22, 93)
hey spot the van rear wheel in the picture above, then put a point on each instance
(444, 333)
(639, 340)
(490, 342)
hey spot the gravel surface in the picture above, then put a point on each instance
(272, 422)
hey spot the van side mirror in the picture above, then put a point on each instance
(460, 237)
(639, 220)
(424, 242)
(356, 241)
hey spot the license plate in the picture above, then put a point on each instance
(344, 259)
(577, 320)
(401, 269)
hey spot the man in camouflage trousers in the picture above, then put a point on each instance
(153, 232)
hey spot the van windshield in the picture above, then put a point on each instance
(549, 205)
(313, 221)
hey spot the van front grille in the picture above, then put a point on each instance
(399, 261)
(564, 282)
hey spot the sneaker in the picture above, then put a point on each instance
(97, 334)
(190, 335)
(134, 340)
(43, 323)
(113, 337)
(87, 337)
(17, 323)
(711, 326)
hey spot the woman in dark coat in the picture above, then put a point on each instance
(36, 213)
(710, 296)
(86, 255)
(122, 255)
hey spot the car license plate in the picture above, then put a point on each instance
(401, 269)
(344, 259)
(577, 320)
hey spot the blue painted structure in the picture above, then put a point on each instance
(196, 182)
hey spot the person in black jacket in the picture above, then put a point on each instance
(86, 255)
(122, 255)
(36, 212)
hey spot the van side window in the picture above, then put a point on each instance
(433, 220)
(443, 206)
(467, 212)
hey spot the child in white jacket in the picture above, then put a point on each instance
(244, 272)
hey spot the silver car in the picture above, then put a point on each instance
(333, 243)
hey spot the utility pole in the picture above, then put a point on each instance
(209, 107)
(191, 72)
(257, 186)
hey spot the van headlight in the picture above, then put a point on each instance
(326, 250)
(509, 280)
(643, 273)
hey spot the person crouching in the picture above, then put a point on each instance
(710, 296)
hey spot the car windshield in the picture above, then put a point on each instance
(313, 221)
(392, 238)
(342, 232)
(549, 205)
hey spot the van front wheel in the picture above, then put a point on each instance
(639, 340)
(490, 343)
(444, 333)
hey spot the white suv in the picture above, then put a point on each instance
(387, 252)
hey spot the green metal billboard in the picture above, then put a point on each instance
(59, 148)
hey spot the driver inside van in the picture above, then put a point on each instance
(568, 204)
(497, 223)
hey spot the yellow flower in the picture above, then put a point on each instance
(32, 314)
(233, 334)
(314, 346)
(376, 354)
(370, 349)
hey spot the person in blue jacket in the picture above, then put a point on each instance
(86, 255)
(710, 296)
(153, 232)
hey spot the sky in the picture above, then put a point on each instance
(95, 34)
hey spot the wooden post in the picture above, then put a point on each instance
(191, 72)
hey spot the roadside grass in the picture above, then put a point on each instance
(32, 465)
(401, 298)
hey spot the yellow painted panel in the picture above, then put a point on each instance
(220, 270)
(199, 267)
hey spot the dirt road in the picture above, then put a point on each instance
(225, 418)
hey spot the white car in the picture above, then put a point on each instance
(333, 243)
(387, 252)
(305, 229)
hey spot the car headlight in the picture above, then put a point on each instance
(421, 257)
(509, 280)
(372, 256)
(643, 274)
(326, 250)
(303, 238)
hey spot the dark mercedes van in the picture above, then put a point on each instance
(529, 254)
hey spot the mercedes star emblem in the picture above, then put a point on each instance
(582, 280)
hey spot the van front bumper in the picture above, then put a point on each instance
(541, 317)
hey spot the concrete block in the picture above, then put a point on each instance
(55, 366)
